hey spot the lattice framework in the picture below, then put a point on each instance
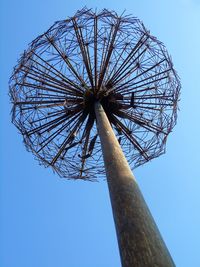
(94, 56)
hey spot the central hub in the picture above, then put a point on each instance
(109, 100)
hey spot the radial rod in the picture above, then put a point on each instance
(139, 240)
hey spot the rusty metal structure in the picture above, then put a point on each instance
(86, 65)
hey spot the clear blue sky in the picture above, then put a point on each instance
(47, 221)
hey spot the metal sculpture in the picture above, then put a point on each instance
(87, 70)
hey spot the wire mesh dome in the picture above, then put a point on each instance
(94, 56)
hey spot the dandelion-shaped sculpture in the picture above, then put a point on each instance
(92, 85)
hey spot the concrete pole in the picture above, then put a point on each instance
(139, 240)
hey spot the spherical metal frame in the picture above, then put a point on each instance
(94, 56)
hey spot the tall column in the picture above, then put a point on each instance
(139, 240)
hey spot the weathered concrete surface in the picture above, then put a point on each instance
(139, 240)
